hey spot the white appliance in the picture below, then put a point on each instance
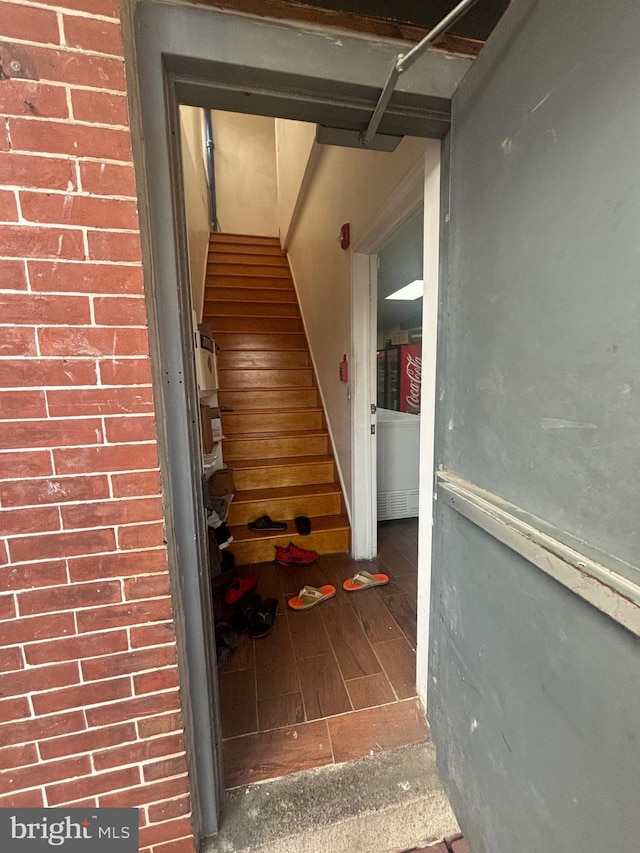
(398, 455)
(206, 363)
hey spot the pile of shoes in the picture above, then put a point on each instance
(250, 613)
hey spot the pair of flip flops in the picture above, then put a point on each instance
(309, 596)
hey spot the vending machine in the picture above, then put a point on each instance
(399, 378)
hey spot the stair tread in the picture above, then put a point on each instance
(306, 433)
(268, 388)
(281, 492)
(281, 462)
(321, 524)
(294, 411)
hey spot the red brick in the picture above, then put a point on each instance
(138, 484)
(39, 678)
(7, 607)
(40, 728)
(37, 309)
(79, 69)
(14, 709)
(13, 274)
(152, 635)
(5, 144)
(130, 428)
(107, 513)
(128, 371)
(68, 597)
(92, 211)
(119, 311)
(50, 433)
(88, 741)
(99, 401)
(146, 586)
(33, 520)
(77, 648)
(120, 457)
(109, 178)
(52, 545)
(152, 682)
(85, 278)
(165, 831)
(17, 340)
(114, 665)
(24, 464)
(89, 785)
(21, 373)
(169, 810)
(29, 575)
(93, 341)
(75, 140)
(37, 628)
(137, 797)
(119, 615)
(25, 799)
(53, 490)
(41, 774)
(110, 246)
(82, 696)
(100, 108)
(18, 756)
(23, 170)
(138, 752)
(25, 241)
(22, 404)
(4, 556)
(184, 845)
(11, 660)
(141, 536)
(92, 34)
(30, 98)
(8, 207)
(122, 564)
(129, 709)
(107, 8)
(29, 24)
(165, 769)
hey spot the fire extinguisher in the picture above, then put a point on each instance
(344, 369)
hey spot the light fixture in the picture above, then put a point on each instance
(411, 291)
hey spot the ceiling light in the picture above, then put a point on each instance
(409, 291)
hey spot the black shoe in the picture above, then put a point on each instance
(223, 536)
(303, 525)
(265, 523)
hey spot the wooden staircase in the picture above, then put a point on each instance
(277, 442)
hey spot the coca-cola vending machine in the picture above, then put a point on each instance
(399, 378)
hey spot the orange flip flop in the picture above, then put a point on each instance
(363, 580)
(309, 596)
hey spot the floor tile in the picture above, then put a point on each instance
(241, 658)
(280, 711)
(403, 610)
(308, 633)
(376, 621)
(398, 661)
(352, 649)
(269, 582)
(323, 689)
(376, 729)
(276, 672)
(370, 691)
(238, 702)
(266, 755)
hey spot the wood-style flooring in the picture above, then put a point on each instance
(330, 684)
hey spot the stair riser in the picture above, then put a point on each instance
(240, 249)
(234, 424)
(292, 475)
(305, 398)
(244, 239)
(274, 448)
(251, 294)
(258, 342)
(302, 378)
(252, 270)
(258, 551)
(267, 260)
(254, 324)
(224, 308)
(283, 282)
(317, 505)
(239, 360)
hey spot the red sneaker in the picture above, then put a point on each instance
(239, 586)
(294, 556)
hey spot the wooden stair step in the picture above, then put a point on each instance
(218, 237)
(265, 260)
(226, 308)
(223, 246)
(296, 398)
(254, 324)
(250, 270)
(241, 359)
(283, 282)
(329, 535)
(307, 443)
(251, 294)
(257, 341)
(266, 378)
(286, 502)
(297, 471)
(281, 420)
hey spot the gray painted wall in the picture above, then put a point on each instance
(534, 706)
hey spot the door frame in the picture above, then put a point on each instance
(204, 57)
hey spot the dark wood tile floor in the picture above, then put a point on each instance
(331, 684)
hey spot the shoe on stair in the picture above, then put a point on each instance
(294, 556)
(265, 523)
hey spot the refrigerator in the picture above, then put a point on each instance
(399, 378)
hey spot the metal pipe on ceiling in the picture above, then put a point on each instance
(405, 61)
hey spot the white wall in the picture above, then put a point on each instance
(196, 199)
(294, 145)
(245, 170)
(348, 185)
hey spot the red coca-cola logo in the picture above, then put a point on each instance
(413, 370)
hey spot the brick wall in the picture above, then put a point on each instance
(89, 703)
